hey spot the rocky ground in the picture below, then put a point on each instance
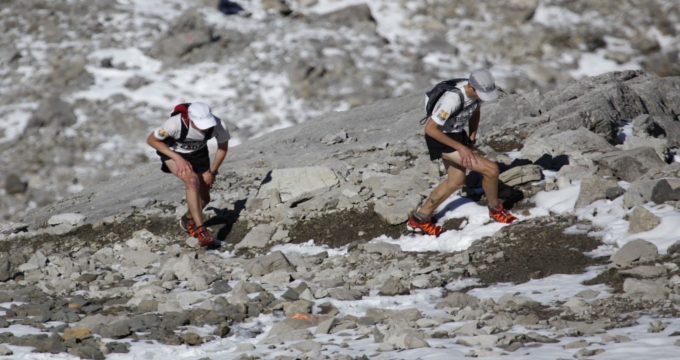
(109, 267)
(74, 74)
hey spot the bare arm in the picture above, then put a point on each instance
(183, 166)
(221, 153)
(473, 123)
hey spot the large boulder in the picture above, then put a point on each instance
(642, 220)
(665, 190)
(629, 165)
(294, 182)
(600, 112)
(594, 188)
(578, 144)
(53, 112)
(660, 96)
(395, 185)
(258, 237)
(636, 250)
(639, 192)
(644, 289)
(350, 16)
(521, 175)
(663, 127)
(397, 210)
(266, 264)
(188, 32)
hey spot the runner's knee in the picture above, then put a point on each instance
(491, 170)
(193, 182)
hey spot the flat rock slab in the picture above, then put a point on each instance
(258, 237)
(397, 211)
(293, 182)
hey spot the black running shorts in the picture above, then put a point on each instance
(199, 160)
(436, 148)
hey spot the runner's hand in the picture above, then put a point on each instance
(209, 179)
(467, 157)
(183, 168)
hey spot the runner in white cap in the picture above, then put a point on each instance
(458, 106)
(181, 143)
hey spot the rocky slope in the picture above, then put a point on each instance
(76, 73)
(108, 266)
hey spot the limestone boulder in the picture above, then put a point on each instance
(629, 165)
(594, 188)
(579, 145)
(636, 250)
(641, 220)
(293, 182)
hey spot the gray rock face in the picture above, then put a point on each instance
(53, 112)
(269, 263)
(294, 335)
(639, 193)
(579, 144)
(636, 250)
(393, 287)
(629, 165)
(188, 32)
(645, 289)
(521, 175)
(293, 182)
(258, 237)
(14, 185)
(458, 300)
(594, 188)
(6, 271)
(647, 271)
(663, 191)
(397, 211)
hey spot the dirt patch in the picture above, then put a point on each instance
(505, 144)
(610, 277)
(109, 234)
(535, 249)
(454, 224)
(102, 236)
(341, 228)
(613, 278)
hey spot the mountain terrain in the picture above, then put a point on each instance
(84, 82)
(314, 262)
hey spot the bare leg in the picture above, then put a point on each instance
(454, 181)
(192, 182)
(204, 193)
(489, 171)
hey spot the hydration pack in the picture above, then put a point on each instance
(436, 93)
(184, 110)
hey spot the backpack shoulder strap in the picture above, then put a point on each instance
(182, 109)
(436, 93)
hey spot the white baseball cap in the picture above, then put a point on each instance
(200, 115)
(484, 84)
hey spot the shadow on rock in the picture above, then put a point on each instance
(227, 218)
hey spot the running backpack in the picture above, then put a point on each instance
(184, 110)
(436, 93)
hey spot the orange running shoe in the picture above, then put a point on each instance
(203, 237)
(188, 225)
(500, 214)
(426, 227)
